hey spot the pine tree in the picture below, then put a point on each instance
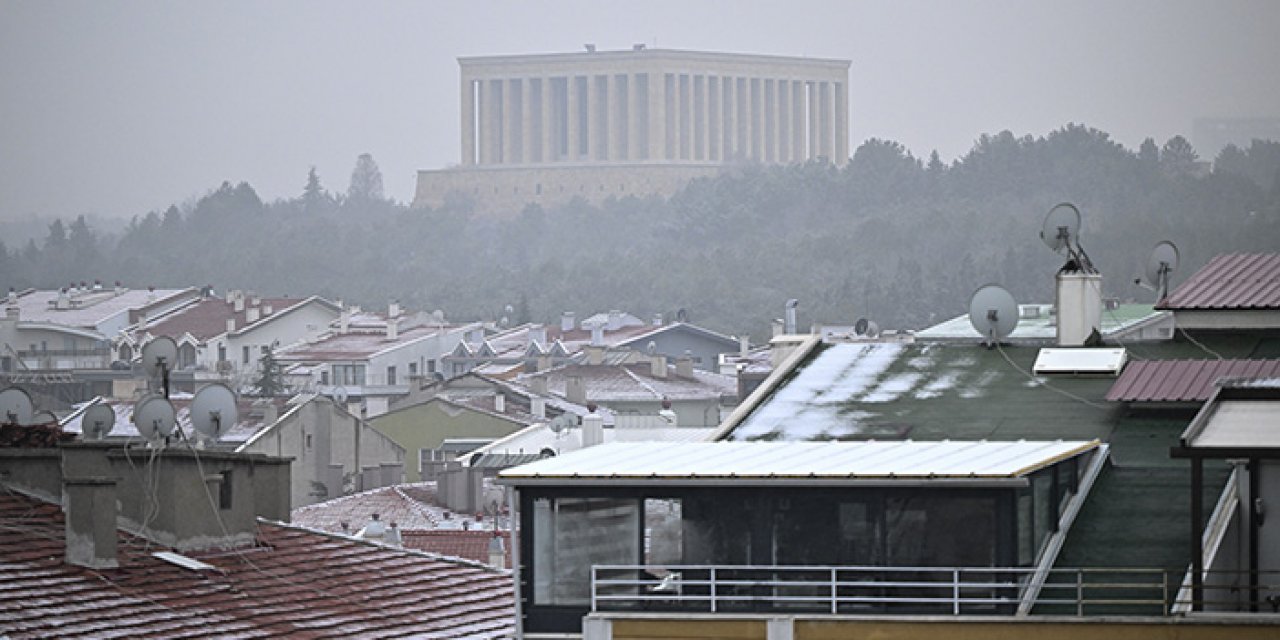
(269, 382)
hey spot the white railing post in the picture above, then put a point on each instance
(955, 591)
(1079, 592)
(594, 587)
(713, 589)
(835, 597)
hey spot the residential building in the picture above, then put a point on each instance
(547, 128)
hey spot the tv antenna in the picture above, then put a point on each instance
(158, 357)
(1061, 233)
(155, 419)
(97, 421)
(213, 411)
(993, 312)
(1160, 264)
(16, 406)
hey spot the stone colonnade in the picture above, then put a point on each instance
(594, 114)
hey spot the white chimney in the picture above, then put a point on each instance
(567, 322)
(539, 385)
(231, 325)
(597, 335)
(538, 407)
(267, 309)
(658, 365)
(538, 334)
(250, 315)
(592, 429)
(393, 328)
(231, 296)
(595, 355)
(344, 320)
(790, 327)
(1079, 303)
(119, 288)
(575, 390)
(254, 299)
(64, 300)
(615, 320)
(744, 345)
(497, 552)
(238, 302)
(684, 366)
(657, 319)
(500, 403)
(393, 309)
(13, 296)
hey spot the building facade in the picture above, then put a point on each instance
(545, 128)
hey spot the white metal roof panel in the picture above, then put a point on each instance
(1241, 423)
(1108, 360)
(802, 460)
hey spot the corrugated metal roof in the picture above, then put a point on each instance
(1183, 380)
(801, 461)
(1230, 281)
(294, 583)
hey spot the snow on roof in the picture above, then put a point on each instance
(801, 461)
(250, 418)
(1037, 323)
(534, 439)
(90, 308)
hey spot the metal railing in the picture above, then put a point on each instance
(907, 590)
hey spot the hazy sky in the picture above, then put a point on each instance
(118, 108)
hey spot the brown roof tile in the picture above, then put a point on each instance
(1183, 380)
(1230, 281)
(208, 317)
(294, 582)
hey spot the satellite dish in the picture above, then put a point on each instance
(860, 327)
(651, 348)
(682, 315)
(1161, 263)
(993, 312)
(154, 417)
(15, 406)
(562, 422)
(97, 421)
(437, 316)
(213, 411)
(161, 350)
(1061, 230)
(339, 395)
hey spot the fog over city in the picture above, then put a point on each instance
(115, 109)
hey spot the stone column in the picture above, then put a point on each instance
(634, 113)
(548, 144)
(784, 120)
(672, 110)
(683, 130)
(468, 120)
(754, 121)
(770, 120)
(742, 87)
(573, 123)
(813, 120)
(715, 112)
(825, 116)
(797, 121)
(528, 132)
(483, 116)
(657, 142)
(729, 128)
(595, 142)
(842, 123)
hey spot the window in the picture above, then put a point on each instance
(324, 378)
(244, 354)
(222, 353)
(224, 490)
(308, 441)
(431, 366)
(348, 374)
(391, 375)
(573, 534)
(413, 369)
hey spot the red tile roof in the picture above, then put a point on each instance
(472, 545)
(294, 582)
(1230, 281)
(1183, 380)
(208, 317)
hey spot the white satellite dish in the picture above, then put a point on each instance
(16, 406)
(154, 417)
(213, 411)
(1160, 264)
(1061, 229)
(993, 312)
(866, 328)
(339, 396)
(161, 351)
(97, 421)
(563, 422)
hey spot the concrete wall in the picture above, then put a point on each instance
(425, 426)
(674, 342)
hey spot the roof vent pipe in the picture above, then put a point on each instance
(790, 327)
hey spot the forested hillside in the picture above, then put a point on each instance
(895, 238)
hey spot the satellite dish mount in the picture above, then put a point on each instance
(1061, 233)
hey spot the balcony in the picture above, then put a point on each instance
(64, 359)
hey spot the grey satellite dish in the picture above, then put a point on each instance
(860, 327)
(993, 312)
(155, 418)
(213, 411)
(437, 316)
(562, 422)
(1161, 263)
(97, 421)
(873, 329)
(1061, 230)
(16, 406)
(339, 395)
(161, 350)
(651, 348)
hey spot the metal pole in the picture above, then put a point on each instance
(713, 589)
(834, 595)
(955, 591)
(1079, 592)
(1197, 543)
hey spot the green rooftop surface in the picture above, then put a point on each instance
(1036, 322)
(1137, 513)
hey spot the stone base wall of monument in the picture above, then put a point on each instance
(507, 190)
